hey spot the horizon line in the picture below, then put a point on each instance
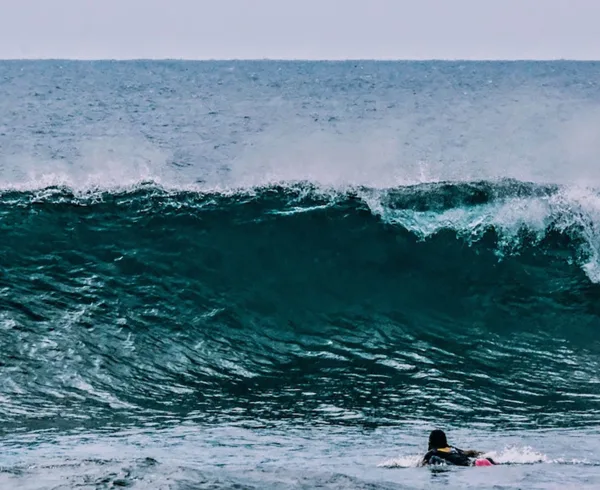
(326, 60)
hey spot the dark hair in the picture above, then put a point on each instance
(437, 439)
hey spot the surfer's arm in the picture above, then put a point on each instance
(471, 453)
(426, 458)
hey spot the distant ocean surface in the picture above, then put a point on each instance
(268, 275)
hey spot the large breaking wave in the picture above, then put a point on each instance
(447, 301)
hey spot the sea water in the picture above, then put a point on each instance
(285, 274)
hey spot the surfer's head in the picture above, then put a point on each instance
(437, 439)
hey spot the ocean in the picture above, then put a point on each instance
(264, 275)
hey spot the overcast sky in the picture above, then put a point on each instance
(307, 29)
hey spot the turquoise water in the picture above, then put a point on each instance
(283, 275)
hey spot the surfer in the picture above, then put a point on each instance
(440, 452)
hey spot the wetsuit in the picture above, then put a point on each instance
(447, 455)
